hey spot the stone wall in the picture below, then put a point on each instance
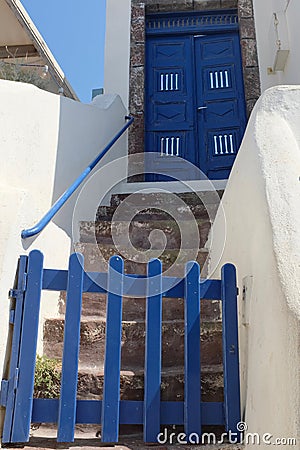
(249, 53)
(137, 77)
(137, 58)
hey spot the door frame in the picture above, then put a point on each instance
(140, 11)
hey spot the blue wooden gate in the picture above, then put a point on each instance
(195, 103)
(21, 409)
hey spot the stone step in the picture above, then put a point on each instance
(171, 234)
(156, 198)
(92, 344)
(96, 257)
(130, 212)
(90, 384)
(134, 308)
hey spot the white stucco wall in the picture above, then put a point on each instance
(263, 12)
(261, 204)
(45, 143)
(117, 48)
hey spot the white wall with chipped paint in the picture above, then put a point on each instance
(46, 141)
(261, 204)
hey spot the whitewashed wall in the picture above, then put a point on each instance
(117, 48)
(45, 143)
(263, 12)
(261, 204)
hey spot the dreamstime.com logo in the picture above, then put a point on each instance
(240, 436)
(131, 238)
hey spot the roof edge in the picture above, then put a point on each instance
(41, 46)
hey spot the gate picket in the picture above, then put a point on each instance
(230, 349)
(192, 364)
(18, 315)
(69, 378)
(24, 382)
(112, 362)
(152, 380)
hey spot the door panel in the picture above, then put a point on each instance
(169, 103)
(219, 87)
(169, 115)
(221, 111)
(218, 48)
(169, 83)
(170, 144)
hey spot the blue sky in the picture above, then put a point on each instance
(74, 31)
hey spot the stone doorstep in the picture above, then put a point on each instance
(138, 232)
(94, 305)
(92, 346)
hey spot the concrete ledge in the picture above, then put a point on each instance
(171, 186)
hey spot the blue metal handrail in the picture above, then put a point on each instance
(36, 229)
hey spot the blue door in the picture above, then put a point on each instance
(220, 103)
(194, 106)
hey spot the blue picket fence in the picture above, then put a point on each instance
(21, 409)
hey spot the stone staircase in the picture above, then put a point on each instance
(98, 235)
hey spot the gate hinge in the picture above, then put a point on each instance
(5, 387)
(15, 293)
(4, 392)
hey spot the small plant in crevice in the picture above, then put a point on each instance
(47, 377)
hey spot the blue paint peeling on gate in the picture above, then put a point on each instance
(21, 409)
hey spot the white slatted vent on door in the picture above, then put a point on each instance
(170, 146)
(223, 144)
(169, 82)
(219, 79)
